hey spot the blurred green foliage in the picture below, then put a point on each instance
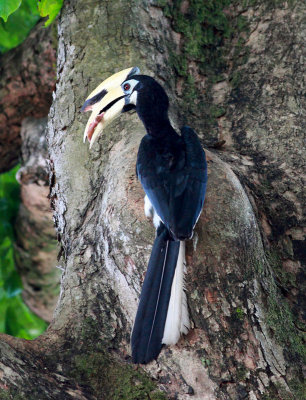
(18, 17)
(49, 8)
(18, 25)
(7, 7)
(15, 317)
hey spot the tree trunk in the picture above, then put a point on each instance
(244, 263)
(27, 78)
(36, 247)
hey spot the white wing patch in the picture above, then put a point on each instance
(148, 208)
(150, 212)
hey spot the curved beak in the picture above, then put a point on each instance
(106, 102)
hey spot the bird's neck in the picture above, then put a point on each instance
(158, 128)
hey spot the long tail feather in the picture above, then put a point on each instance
(148, 330)
(177, 321)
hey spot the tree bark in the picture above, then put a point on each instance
(27, 78)
(244, 262)
(36, 245)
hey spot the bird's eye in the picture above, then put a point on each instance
(126, 86)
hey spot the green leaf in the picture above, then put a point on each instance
(18, 25)
(49, 8)
(13, 285)
(20, 321)
(7, 7)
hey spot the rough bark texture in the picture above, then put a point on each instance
(244, 262)
(27, 78)
(36, 247)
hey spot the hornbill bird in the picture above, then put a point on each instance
(172, 170)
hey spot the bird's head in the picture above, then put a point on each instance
(122, 92)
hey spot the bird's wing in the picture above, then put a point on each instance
(153, 178)
(176, 188)
(190, 202)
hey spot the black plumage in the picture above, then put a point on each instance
(172, 170)
(148, 331)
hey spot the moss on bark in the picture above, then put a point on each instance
(113, 380)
